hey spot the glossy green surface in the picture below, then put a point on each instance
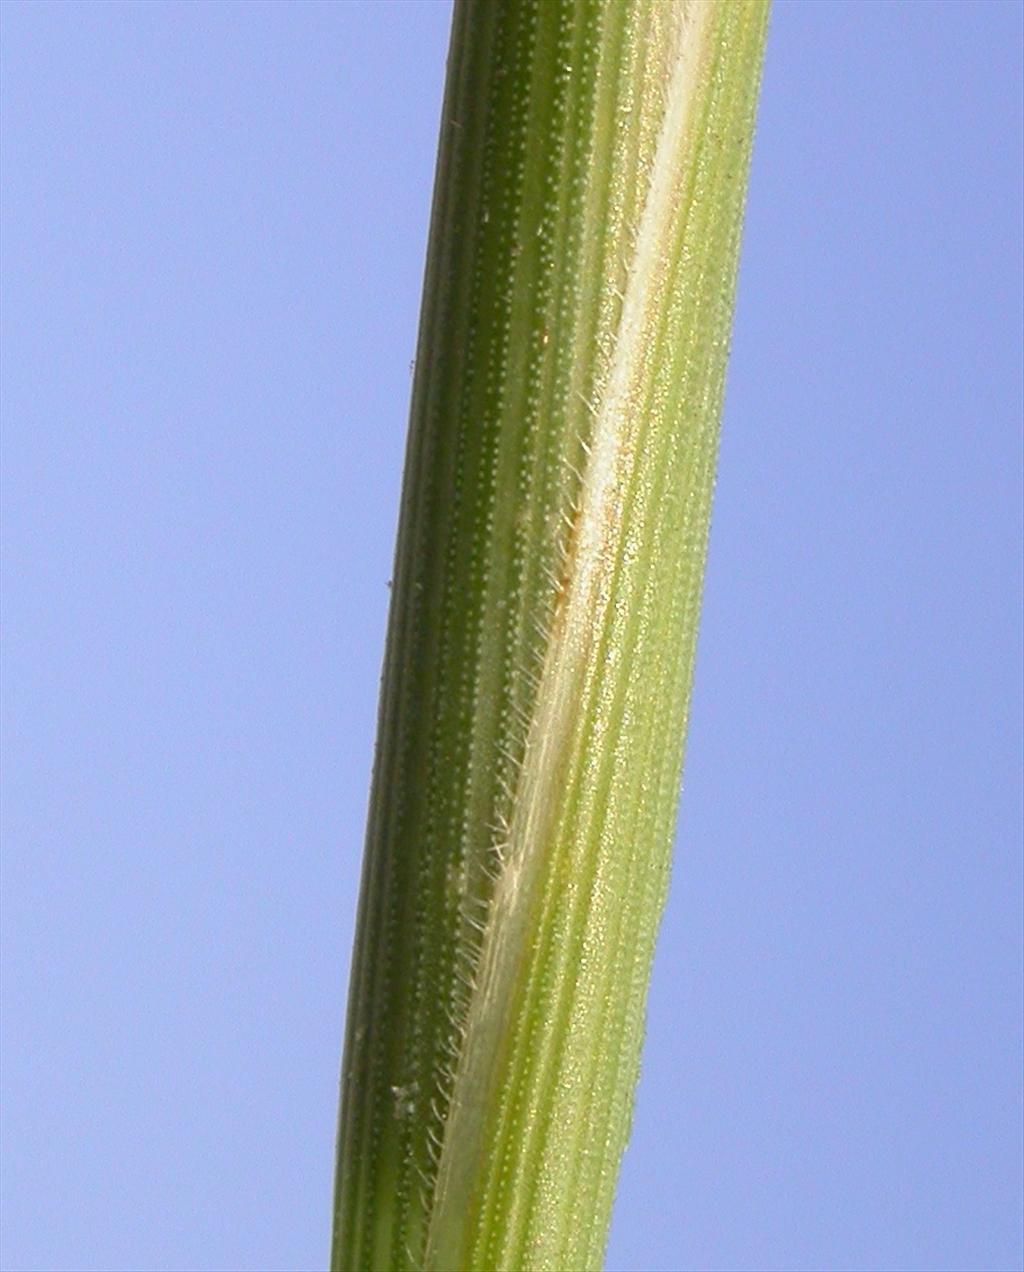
(546, 595)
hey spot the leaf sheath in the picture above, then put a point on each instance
(550, 556)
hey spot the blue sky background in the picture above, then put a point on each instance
(213, 230)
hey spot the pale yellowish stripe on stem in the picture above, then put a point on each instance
(555, 729)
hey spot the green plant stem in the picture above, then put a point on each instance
(550, 557)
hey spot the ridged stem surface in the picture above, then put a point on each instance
(550, 555)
